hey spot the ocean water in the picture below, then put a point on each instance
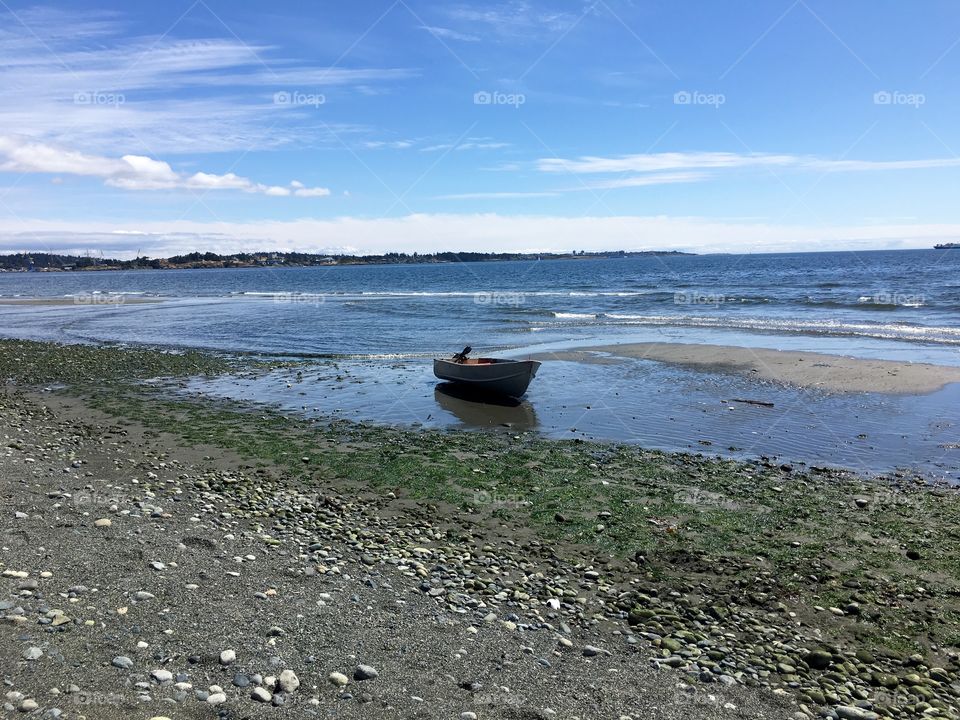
(372, 330)
(903, 304)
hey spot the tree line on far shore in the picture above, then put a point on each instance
(42, 262)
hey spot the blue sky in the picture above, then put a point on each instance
(379, 126)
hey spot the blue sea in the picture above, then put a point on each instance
(381, 324)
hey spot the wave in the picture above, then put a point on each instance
(886, 331)
(441, 294)
(113, 293)
(863, 302)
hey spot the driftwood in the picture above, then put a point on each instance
(761, 403)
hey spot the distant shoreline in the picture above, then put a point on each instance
(45, 262)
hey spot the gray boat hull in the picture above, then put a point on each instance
(500, 377)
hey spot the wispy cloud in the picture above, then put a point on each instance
(77, 78)
(392, 144)
(657, 162)
(448, 34)
(131, 172)
(712, 161)
(495, 195)
(512, 19)
(467, 144)
(645, 180)
(867, 165)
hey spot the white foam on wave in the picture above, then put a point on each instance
(886, 331)
(380, 294)
(574, 316)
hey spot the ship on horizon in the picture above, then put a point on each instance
(947, 246)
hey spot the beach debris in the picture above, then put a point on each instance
(760, 403)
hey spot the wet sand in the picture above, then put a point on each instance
(803, 369)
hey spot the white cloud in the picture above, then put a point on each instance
(495, 195)
(29, 157)
(512, 19)
(311, 192)
(655, 162)
(867, 165)
(658, 162)
(448, 34)
(77, 79)
(467, 144)
(644, 180)
(130, 172)
(394, 144)
(464, 233)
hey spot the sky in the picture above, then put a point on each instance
(408, 126)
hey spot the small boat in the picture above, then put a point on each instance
(489, 375)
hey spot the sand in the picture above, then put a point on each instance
(837, 373)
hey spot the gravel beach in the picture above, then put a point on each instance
(130, 590)
(171, 558)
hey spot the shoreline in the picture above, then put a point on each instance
(695, 567)
(838, 373)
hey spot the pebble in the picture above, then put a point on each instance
(102, 522)
(849, 712)
(261, 695)
(289, 682)
(161, 676)
(217, 698)
(365, 672)
(122, 662)
(338, 679)
(227, 657)
(33, 653)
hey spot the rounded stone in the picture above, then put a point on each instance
(365, 672)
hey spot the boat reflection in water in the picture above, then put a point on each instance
(478, 409)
